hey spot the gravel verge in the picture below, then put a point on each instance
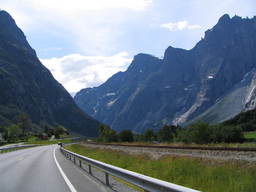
(156, 153)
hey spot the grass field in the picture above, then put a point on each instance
(34, 140)
(203, 175)
(245, 144)
(250, 135)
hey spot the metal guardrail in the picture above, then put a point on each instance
(14, 147)
(148, 184)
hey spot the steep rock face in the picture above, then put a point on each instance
(116, 96)
(185, 83)
(27, 86)
(225, 56)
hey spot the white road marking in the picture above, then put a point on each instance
(22, 158)
(71, 187)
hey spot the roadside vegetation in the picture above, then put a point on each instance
(197, 133)
(245, 120)
(23, 130)
(36, 140)
(203, 175)
(251, 135)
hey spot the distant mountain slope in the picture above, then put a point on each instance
(27, 86)
(112, 100)
(240, 98)
(213, 81)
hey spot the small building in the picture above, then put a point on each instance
(43, 136)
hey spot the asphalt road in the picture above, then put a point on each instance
(43, 169)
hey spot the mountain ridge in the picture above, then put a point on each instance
(27, 86)
(184, 84)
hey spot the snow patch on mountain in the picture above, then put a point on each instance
(110, 94)
(110, 103)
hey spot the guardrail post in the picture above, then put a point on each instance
(74, 159)
(80, 163)
(107, 179)
(90, 169)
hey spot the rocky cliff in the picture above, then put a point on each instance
(27, 86)
(213, 81)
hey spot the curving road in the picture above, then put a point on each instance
(43, 169)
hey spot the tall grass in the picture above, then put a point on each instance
(34, 140)
(250, 135)
(204, 175)
(245, 144)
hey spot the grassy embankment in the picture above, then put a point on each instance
(34, 140)
(250, 135)
(204, 175)
(246, 144)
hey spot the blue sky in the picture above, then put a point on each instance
(84, 42)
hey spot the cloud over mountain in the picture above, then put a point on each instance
(76, 71)
(180, 25)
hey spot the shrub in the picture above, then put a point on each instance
(12, 133)
(226, 134)
(202, 133)
(107, 134)
(198, 133)
(167, 133)
(149, 135)
(126, 136)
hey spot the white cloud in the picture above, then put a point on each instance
(92, 26)
(89, 5)
(21, 18)
(179, 26)
(77, 71)
(22, 10)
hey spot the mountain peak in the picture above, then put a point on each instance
(28, 86)
(172, 53)
(143, 61)
(5, 14)
(224, 19)
(182, 85)
(12, 34)
(142, 56)
(6, 19)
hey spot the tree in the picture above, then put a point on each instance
(202, 133)
(59, 130)
(24, 123)
(167, 133)
(47, 129)
(126, 136)
(198, 132)
(226, 133)
(2, 129)
(149, 135)
(12, 133)
(107, 134)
